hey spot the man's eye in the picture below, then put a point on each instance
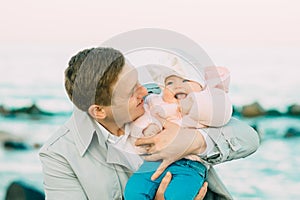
(169, 83)
(185, 80)
(131, 93)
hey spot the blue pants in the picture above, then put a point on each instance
(187, 178)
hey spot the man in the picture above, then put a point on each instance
(78, 161)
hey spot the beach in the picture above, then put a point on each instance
(34, 105)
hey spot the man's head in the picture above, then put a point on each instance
(90, 76)
(101, 82)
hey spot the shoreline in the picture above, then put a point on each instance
(248, 111)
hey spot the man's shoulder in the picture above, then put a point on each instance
(59, 139)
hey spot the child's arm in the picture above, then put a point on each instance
(138, 128)
(167, 110)
(212, 106)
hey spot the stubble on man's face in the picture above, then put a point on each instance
(126, 103)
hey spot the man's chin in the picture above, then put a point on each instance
(138, 115)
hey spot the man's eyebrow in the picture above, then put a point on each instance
(133, 88)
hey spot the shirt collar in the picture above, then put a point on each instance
(107, 135)
(84, 128)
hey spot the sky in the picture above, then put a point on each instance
(257, 39)
(266, 22)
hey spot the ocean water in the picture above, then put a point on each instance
(269, 75)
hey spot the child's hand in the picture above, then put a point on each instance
(168, 111)
(158, 111)
(186, 105)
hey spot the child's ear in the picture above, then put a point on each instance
(97, 112)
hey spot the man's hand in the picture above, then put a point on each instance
(171, 144)
(165, 182)
(202, 192)
(160, 192)
(151, 129)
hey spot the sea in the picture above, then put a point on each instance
(33, 74)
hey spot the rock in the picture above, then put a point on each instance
(19, 190)
(252, 110)
(15, 145)
(294, 110)
(273, 113)
(33, 111)
(3, 110)
(37, 145)
(292, 132)
(11, 141)
(5, 136)
(235, 111)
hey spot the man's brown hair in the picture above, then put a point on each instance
(90, 76)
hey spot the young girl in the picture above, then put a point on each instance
(190, 104)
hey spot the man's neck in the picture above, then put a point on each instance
(112, 127)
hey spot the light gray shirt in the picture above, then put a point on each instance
(79, 163)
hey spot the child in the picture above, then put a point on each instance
(189, 104)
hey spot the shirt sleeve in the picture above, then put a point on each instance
(233, 141)
(60, 182)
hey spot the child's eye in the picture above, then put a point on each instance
(169, 83)
(185, 80)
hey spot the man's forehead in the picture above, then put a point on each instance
(127, 78)
(128, 70)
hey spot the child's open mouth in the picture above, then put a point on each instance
(180, 95)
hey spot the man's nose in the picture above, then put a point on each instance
(142, 91)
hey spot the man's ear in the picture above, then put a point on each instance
(97, 112)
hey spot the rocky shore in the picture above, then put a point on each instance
(250, 111)
(256, 113)
(32, 111)
(256, 110)
(21, 190)
(253, 113)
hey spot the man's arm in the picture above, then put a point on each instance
(60, 182)
(234, 140)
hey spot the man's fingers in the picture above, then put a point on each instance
(144, 141)
(152, 157)
(160, 169)
(163, 186)
(152, 150)
(202, 192)
(142, 150)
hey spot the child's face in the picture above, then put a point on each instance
(179, 88)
